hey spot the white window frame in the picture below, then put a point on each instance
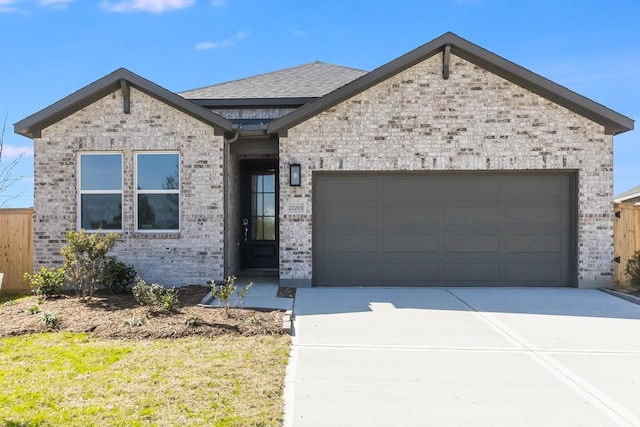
(137, 192)
(81, 192)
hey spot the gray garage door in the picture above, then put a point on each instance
(443, 229)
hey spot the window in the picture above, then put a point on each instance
(157, 192)
(100, 198)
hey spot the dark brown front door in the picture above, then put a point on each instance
(259, 213)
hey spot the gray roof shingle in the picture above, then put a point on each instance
(312, 80)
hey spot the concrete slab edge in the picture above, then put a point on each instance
(290, 387)
(207, 299)
(286, 322)
(627, 297)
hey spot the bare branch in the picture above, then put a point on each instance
(7, 178)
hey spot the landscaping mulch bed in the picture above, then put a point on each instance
(105, 314)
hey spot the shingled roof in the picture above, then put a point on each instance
(311, 80)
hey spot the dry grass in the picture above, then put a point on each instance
(70, 379)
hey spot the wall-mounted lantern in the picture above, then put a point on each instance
(294, 175)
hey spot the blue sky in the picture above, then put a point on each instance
(51, 48)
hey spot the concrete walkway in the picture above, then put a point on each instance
(463, 357)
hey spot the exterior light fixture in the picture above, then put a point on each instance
(295, 177)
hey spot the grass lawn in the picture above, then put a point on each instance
(70, 379)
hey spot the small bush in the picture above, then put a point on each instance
(47, 282)
(118, 277)
(50, 319)
(85, 255)
(34, 309)
(225, 290)
(194, 322)
(134, 321)
(155, 296)
(632, 270)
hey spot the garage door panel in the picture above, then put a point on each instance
(410, 243)
(471, 215)
(350, 215)
(523, 215)
(537, 187)
(402, 272)
(471, 243)
(551, 271)
(412, 188)
(551, 243)
(472, 272)
(410, 215)
(350, 243)
(470, 188)
(351, 271)
(444, 229)
(353, 189)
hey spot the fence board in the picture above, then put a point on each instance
(626, 234)
(16, 248)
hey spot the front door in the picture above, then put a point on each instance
(259, 213)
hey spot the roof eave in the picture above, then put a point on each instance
(32, 126)
(613, 122)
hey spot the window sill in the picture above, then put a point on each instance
(156, 234)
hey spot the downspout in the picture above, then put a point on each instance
(225, 184)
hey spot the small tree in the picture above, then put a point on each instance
(224, 292)
(85, 255)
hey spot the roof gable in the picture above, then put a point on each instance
(32, 126)
(311, 80)
(613, 122)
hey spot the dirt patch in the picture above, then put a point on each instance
(286, 292)
(105, 316)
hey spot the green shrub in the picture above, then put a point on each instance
(134, 321)
(224, 291)
(84, 259)
(155, 296)
(194, 322)
(50, 319)
(47, 282)
(118, 277)
(632, 270)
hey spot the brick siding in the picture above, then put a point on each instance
(192, 256)
(475, 120)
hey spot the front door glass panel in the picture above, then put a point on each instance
(263, 206)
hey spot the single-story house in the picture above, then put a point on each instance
(631, 196)
(448, 166)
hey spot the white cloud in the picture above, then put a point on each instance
(8, 6)
(10, 152)
(218, 3)
(55, 3)
(214, 45)
(153, 6)
(221, 44)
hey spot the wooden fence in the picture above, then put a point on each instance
(626, 234)
(16, 248)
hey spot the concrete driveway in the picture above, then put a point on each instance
(463, 357)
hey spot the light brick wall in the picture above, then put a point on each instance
(192, 256)
(475, 120)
